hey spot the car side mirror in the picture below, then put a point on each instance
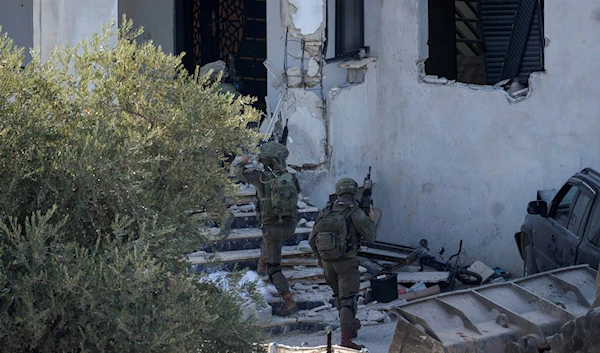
(537, 207)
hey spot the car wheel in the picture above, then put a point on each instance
(529, 267)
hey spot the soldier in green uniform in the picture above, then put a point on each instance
(278, 198)
(335, 240)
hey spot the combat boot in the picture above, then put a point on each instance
(347, 340)
(261, 268)
(356, 327)
(289, 306)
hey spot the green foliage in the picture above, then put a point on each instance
(58, 296)
(119, 142)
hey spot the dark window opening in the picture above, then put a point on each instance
(349, 28)
(486, 41)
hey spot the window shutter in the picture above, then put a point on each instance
(512, 34)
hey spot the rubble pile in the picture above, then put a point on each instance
(240, 248)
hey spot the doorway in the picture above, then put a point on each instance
(234, 31)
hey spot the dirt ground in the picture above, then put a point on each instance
(376, 338)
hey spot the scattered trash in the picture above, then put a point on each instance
(482, 269)
(417, 287)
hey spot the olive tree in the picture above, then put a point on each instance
(104, 150)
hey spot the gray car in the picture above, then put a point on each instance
(562, 227)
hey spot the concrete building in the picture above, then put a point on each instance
(405, 86)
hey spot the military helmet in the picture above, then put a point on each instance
(273, 150)
(346, 186)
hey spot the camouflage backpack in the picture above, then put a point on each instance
(332, 238)
(283, 197)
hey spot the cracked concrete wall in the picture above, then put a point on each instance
(454, 161)
(306, 128)
(458, 162)
(303, 18)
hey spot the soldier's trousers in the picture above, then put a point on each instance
(344, 278)
(273, 237)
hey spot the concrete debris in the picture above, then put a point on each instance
(312, 81)
(261, 312)
(247, 189)
(313, 68)
(302, 221)
(306, 124)
(252, 307)
(303, 246)
(217, 67)
(294, 76)
(482, 269)
(435, 79)
(313, 48)
(300, 287)
(305, 53)
(243, 208)
(302, 204)
(357, 64)
(374, 315)
(578, 336)
(310, 224)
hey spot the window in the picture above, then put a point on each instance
(561, 213)
(349, 28)
(592, 231)
(473, 41)
(580, 212)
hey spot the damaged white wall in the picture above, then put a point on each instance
(457, 162)
(58, 21)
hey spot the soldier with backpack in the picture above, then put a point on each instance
(278, 207)
(335, 240)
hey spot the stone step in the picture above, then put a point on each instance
(250, 238)
(249, 219)
(203, 257)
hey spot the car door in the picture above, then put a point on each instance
(551, 230)
(589, 249)
(568, 241)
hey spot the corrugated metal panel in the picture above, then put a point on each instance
(496, 19)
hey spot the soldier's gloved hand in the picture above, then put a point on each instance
(319, 263)
(371, 213)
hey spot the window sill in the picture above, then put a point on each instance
(357, 69)
(358, 64)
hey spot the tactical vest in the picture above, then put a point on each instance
(280, 198)
(332, 233)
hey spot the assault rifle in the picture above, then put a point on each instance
(365, 200)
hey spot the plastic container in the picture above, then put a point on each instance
(384, 287)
